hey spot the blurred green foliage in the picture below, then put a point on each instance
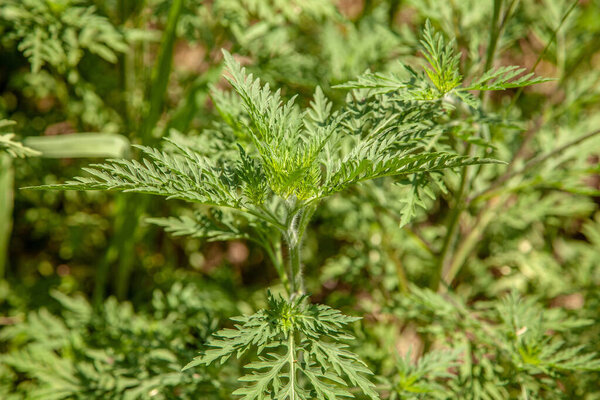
(475, 284)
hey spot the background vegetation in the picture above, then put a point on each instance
(479, 282)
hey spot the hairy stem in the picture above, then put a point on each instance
(296, 223)
(296, 279)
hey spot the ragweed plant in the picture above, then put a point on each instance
(521, 349)
(117, 351)
(265, 186)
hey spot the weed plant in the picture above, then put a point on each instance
(444, 199)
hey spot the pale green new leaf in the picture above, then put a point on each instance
(414, 87)
(442, 58)
(444, 76)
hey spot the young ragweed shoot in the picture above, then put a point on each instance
(440, 86)
(294, 159)
(300, 351)
(290, 160)
(441, 77)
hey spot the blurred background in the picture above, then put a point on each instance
(95, 302)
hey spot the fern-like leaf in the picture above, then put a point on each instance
(503, 78)
(292, 338)
(442, 58)
(219, 226)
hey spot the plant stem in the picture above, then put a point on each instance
(539, 59)
(296, 223)
(296, 278)
(469, 242)
(160, 74)
(494, 35)
(451, 227)
(486, 215)
(6, 209)
(292, 361)
(394, 6)
(497, 27)
(128, 211)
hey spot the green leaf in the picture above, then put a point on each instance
(503, 78)
(366, 163)
(292, 338)
(442, 58)
(184, 175)
(219, 226)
